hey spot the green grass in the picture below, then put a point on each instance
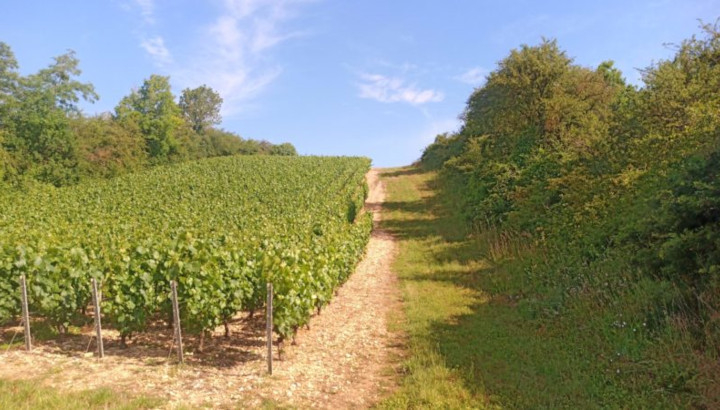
(436, 271)
(473, 343)
(30, 394)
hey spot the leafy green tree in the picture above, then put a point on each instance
(221, 143)
(679, 105)
(9, 83)
(217, 142)
(512, 100)
(8, 101)
(155, 112)
(530, 134)
(58, 83)
(286, 149)
(444, 147)
(612, 75)
(43, 143)
(35, 113)
(201, 107)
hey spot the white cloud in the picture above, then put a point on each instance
(473, 76)
(245, 8)
(392, 89)
(155, 46)
(231, 53)
(147, 10)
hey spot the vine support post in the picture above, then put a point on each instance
(269, 328)
(176, 321)
(25, 313)
(98, 324)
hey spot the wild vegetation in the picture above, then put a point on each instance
(222, 228)
(598, 202)
(45, 137)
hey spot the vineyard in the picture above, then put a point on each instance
(221, 228)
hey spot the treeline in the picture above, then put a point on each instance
(45, 137)
(611, 193)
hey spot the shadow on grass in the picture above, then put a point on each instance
(401, 172)
(432, 216)
(415, 207)
(500, 355)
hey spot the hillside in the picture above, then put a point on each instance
(597, 203)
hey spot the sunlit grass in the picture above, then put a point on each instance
(433, 293)
(30, 394)
(476, 341)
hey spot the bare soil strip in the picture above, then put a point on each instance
(344, 360)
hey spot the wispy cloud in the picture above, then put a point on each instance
(147, 10)
(474, 76)
(393, 89)
(155, 47)
(231, 54)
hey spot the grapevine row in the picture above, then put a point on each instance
(221, 228)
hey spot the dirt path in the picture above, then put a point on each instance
(344, 360)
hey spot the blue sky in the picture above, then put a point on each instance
(372, 78)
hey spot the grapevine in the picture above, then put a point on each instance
(221, 228)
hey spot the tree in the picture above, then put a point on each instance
(680, 100)
(444, 147)
(512, 101)
(222, 143)
(284, 149)
(154, 110)
(34, 117)
(201, 107)
(57, 82)
(8, 83)
(8, 87)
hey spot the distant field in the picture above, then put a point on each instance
(222, 228)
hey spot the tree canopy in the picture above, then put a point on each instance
(201, 107)
(45, 136)
(154, 109)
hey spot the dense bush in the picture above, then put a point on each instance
(614, 187)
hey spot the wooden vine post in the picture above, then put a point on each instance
(98, 324)
(269, 328)
(176, 321)
(25, 313)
